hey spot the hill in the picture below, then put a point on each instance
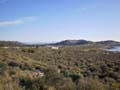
(109, 42)
(73, 42)
(86, 42)
(10, 43)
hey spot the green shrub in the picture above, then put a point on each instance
(90, 84)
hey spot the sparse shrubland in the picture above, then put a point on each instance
(68, 68)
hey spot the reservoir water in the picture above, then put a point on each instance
(115, 49)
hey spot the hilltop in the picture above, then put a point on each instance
(73, 42)
(10, 43)
(86, 42)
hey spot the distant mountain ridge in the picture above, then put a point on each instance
(85, 42)
(10, 43)
(62, 43)
(109, 42)
(73, 42)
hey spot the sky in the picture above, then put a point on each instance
(56, 20)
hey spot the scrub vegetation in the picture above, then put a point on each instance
(67, 68)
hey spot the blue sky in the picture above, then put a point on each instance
(56, 20)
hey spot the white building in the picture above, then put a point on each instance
(53, 47)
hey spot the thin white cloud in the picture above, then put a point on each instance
(16, 22)
(29, 18)
(7, 23)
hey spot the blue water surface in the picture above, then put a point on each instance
(115, 49)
